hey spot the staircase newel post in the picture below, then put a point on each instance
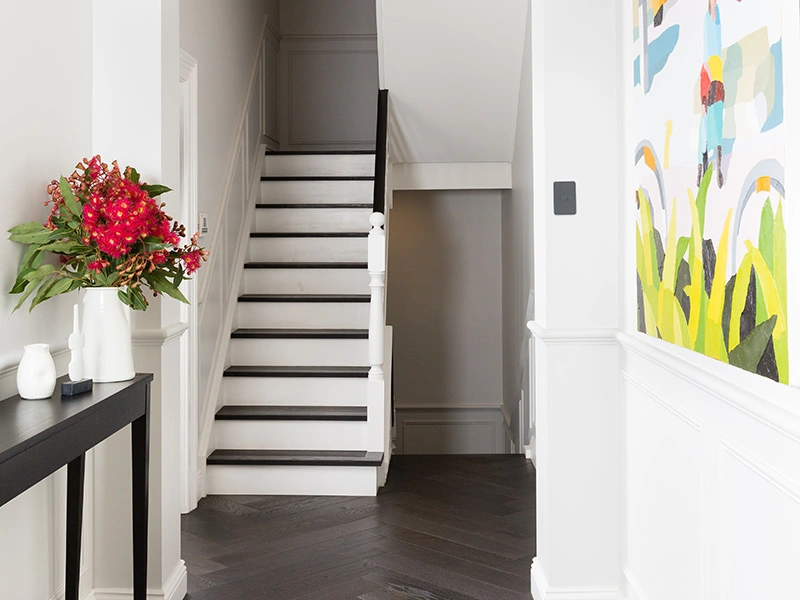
(377, 285)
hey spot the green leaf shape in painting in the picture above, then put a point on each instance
(749, 352)
(779, 273)
(766, 246)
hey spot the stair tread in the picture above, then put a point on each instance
(292, 413)
(305, 265)
(295, 371)
(283, 333)
(355, 458)
(322, 205)
(310, 234)
(318, 178)
(304, 298)
(319, 152)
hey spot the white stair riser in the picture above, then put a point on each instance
(306, 281)
(312, 315)
(317, 192)
(293, 352)
(308, 249)
(306, 220)
(304, 165)
(291, 435)
(295, 391)
(292, 480)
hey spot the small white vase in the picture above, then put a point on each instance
(107, 353)
(36, 374)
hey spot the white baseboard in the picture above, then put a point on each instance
(530, 452)
(541, 590)
(174, 589)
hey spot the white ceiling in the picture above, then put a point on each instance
(452, 68)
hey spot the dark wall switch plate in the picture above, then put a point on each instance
(564, 198)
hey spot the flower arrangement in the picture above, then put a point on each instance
(108, 231)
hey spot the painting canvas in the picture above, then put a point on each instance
(711, 256)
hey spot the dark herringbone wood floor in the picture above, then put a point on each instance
(443, 528)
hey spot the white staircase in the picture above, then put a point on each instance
(294, 418)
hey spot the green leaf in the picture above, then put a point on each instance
(33, 258)
(134, 175)
(66, 247)
(41, 294)
(748, 354)
(69, 197)
(24, 297)
(41, 272)
(137, 299)
(173, 292)
(155, 190)
(21, 283)
(29, 227)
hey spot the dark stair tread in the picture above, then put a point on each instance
(310, 234)
(305, 265)
(292, 413)
(295, 371)
(318, 178)
(323, 458)
(345, 298)
(318, 205)
(319, 152)
(300, 334)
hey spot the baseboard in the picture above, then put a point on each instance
(541, 590)
(530, 452)
(174, 589)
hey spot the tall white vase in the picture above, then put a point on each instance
(36, 374)
(107, 353)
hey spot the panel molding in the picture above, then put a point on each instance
(774, 405)
(573, 337)
(452, 417)
(293, 46)
(772, 476)
(687, 417)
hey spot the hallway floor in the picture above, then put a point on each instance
(443, 528)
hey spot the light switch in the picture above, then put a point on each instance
(564, 198)
(203, 224)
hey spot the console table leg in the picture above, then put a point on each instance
(76, 470)
(140, 445)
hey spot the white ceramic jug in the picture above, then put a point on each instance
(107, 354)
(36, 374)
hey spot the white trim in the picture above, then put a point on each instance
(569, 337)
(451, 176)
(156, 336)
(634, 591)
(541, 590)
(460, 406)
(773, 404)
(175, 588)
(530, 452)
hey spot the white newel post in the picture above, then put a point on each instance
(376, 388)
(377, 285)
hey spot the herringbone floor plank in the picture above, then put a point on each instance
(443, 528)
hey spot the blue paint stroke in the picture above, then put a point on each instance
(637, 71)
(776, 116)
(659, 51)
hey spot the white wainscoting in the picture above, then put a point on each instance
(220, 278)
(710, 478)
(328, 92)
(450, 429)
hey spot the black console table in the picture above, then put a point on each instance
(38, 437)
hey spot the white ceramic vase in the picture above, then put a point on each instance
(36, 374)
(107, 353)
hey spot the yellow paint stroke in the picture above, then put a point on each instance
(666, 143)
(763, 184)
(715, 66)
(649, 158)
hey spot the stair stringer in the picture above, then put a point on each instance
(205, 440)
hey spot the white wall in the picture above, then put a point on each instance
(452, 68)
(45, 133)
(517, 235)
(445, 303)
(329, 75)
(229, 134)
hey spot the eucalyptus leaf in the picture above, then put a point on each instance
(69, 197)
(156, 190)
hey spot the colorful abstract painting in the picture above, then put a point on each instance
(711, 254)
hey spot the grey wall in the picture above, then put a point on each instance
(328, 74)
(444, 302)
(517, 226)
